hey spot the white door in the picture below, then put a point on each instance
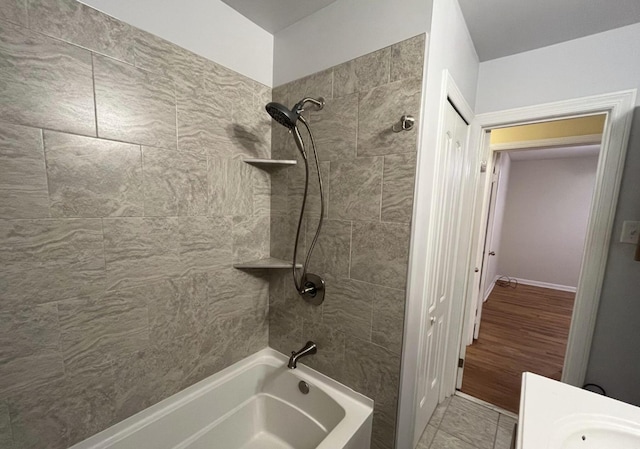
(488, 255)
(440, 280)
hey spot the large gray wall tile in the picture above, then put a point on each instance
(14, 11)
(261, 192)
(6, 438)
(380, 253)
(134, 105)
(205, 243)
(45, 83)
(348, 307)
(62, 412)
(407, 58)
(355, 189)
(250, 238)
(23, 178)
(204, 116)
(330, 356)
(175, 183)
(363, 73)
(94, 332)
(251, 125)
(230, 187)
(48, 260)
(82, 25)
(26, 331)
(388, 318)
(91, 177)
(398, 187)
(335, 127)
(317, 85)
(285, 329)
(155, 54)
(141, 250)
(238, 312)
(379, 110)
(174, 306)
(372, 370)
(333, 248)
(25, 373)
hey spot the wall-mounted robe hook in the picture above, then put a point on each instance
(405, 124)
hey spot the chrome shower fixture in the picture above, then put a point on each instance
(310, 286)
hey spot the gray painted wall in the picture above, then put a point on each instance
(123, 204)
(364, 246)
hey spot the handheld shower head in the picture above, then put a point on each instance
(289, 117)
(281, 114)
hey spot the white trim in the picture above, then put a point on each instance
(588, 139)
(619, 109)
(564, 288)
(491, 287)
(488, 405)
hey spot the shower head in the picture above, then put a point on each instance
(282, 114)
(289, 117)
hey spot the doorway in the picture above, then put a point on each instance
(617, 107)
(542, 184)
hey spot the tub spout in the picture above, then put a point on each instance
(309, 348)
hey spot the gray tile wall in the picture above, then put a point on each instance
(123, 204)
(363, 250)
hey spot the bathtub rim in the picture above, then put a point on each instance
(358, 408)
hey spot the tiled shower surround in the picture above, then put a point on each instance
(368, 173)
(123, 204)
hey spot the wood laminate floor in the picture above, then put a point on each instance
(522, 329)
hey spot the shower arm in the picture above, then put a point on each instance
(299, 106)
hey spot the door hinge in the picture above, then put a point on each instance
(483, 167)
(460, 363)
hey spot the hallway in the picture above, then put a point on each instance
(523, 329)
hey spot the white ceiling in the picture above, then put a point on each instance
(554, 153)
(498, 27)
(276, 15)
(505, 27)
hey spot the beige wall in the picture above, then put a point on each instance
(123, 204)
(363, 249)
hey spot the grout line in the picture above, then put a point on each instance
(382, 188)
(46, 171)
(95, 102)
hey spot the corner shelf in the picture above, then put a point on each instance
(270, 263)
(270, 163)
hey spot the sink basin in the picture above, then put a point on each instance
(554, 415)
(591, 431)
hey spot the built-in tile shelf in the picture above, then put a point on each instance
(271, 163)
(270, 263)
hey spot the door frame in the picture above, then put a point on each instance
(615, 136)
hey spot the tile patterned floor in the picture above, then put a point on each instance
(459, 423)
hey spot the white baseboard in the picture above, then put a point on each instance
(490, 289)
(564, 288)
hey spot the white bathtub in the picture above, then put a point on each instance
(252, 404)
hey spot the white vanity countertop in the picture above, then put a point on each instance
(554, 415)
